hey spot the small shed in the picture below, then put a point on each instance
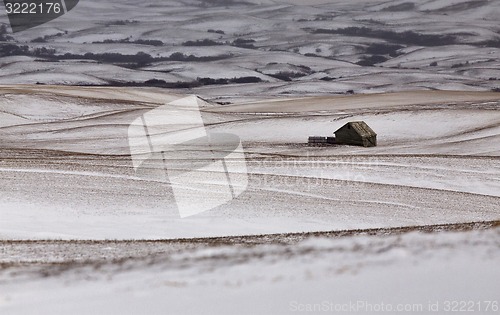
(356, 133)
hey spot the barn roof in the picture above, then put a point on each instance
(361, 128)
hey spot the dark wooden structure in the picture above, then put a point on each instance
(316, 139)
(321, 140)
(356, 133)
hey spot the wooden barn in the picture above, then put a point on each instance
(356, 133)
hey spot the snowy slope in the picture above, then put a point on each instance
(411, 273)
(450, 41)
(66, 171)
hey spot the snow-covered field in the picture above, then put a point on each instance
(413, 273)
(451, 45)
(409, 226)
(66, 174)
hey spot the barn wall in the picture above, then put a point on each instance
(370, 141)
(348, 136)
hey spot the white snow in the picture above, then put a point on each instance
(419, 273)
(433, 146)
(78, 222)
